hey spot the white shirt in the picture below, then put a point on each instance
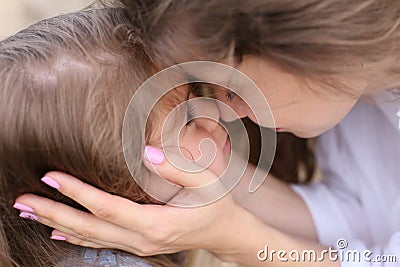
(360, 199)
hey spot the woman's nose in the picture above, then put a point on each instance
(232, 111)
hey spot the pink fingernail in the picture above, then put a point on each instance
(58, 237)
(50, 182)
(22, 207)
(29, 216)
(153, 155)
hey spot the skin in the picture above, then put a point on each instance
(191, 133)
(305, 112)
(147, 230)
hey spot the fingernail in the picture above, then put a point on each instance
(58, 237)
(50, 182)
(22, 207)
(153, 155)
(28, 215)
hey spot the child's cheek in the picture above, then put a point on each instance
(220, 164)
(192, 148)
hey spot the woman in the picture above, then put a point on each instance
(324, 67)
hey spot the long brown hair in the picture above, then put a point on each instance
(309, 38)
(317, 41)
(65, 85)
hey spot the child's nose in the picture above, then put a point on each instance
(208, 124)
(206, 108)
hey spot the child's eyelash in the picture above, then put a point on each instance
(190, 113)
(229, 96)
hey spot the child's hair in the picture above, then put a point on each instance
(65, 83)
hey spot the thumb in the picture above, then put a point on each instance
(157, 163)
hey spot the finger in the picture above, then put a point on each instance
(81, 224)
(62, 236)
(79, 241)
(180, 177)
(61, 233)
(197, 191)
(145, 251)
(109, 207)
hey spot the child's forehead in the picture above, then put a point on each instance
(182, 93)
(175, 96)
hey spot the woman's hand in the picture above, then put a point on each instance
(118, 223)
(223, 227)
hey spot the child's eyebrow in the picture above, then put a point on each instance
(196, 89)
(201, 89)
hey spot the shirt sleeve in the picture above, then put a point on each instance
(338, 231)
(337, 205)
(334, 203)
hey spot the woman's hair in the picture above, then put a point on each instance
(311, 39)
(316, 41)
(65, 85)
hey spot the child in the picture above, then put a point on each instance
(65, 85)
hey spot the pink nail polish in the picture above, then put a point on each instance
(22, 207)
(58, 237)
(29, 216)
(153, 155)
(50, 182)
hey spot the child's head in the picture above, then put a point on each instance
(65, 85)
